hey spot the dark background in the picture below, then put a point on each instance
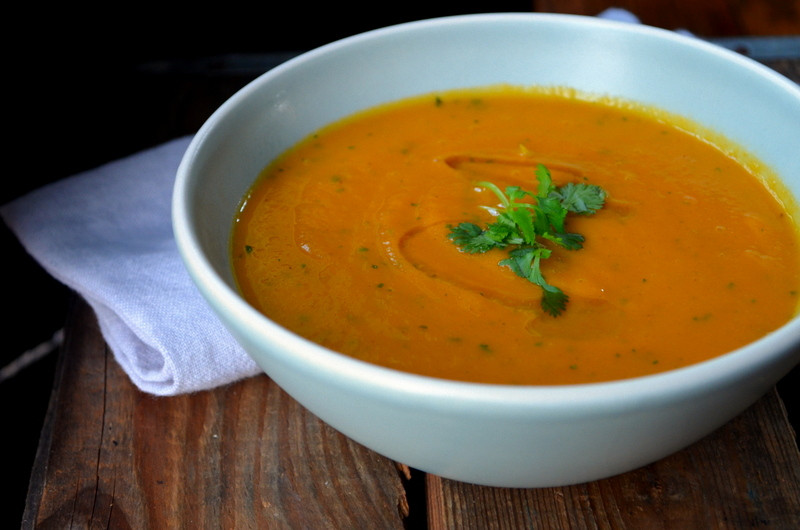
(85, 87)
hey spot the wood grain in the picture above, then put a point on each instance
(746, 475)
(248, 456)
(241, 456)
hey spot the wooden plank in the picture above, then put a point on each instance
(242, 456)
(745, 475)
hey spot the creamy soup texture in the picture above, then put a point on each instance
(344, 240)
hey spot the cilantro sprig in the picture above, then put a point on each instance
(526, 222)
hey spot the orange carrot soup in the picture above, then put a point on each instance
(519, 236)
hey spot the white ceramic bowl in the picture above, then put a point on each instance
(488, 434)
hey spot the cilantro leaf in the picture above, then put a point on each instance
(473, 239)
(550, 216)
(554, 301)
(581, 198)
(526, 262)
(567, 240)
(545, 180)
(526, 221)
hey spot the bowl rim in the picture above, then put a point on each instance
(701, 376)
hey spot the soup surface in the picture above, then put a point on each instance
(345, 241)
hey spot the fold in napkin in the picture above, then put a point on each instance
(107, 234)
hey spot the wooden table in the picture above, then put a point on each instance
(248, 456)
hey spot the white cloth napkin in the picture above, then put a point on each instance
(620, 15)
(107, 234)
